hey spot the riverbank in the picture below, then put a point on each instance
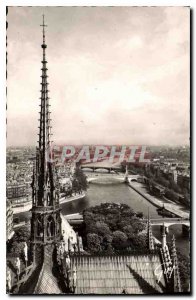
(27, 206)
(17, 209)
(169, 205)
(72, 198)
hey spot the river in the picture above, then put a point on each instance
(122, 193)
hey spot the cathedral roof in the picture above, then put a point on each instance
(131, 274)
(47, 283)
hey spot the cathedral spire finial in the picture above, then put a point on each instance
(44, 132)
(43, 26)
(150, 240)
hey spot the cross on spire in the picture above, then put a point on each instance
(43, 25)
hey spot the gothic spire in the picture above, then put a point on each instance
(44, 187)
(46, 219)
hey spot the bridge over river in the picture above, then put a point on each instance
(102, 171)
(105, 177)
(102, 165)
(169, 221)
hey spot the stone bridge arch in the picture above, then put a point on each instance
(87, 169)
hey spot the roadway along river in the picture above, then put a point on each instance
(121, 193)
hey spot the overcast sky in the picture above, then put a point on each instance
(117, 75)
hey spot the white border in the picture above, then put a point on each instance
(3, 5)
(3, 146)
(100, 3)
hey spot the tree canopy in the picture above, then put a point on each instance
(111, 226)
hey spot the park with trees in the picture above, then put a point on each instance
(111, 228)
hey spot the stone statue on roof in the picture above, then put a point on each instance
(25, 252)
(17, 263)
(9, 280)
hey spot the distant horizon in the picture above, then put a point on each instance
(74, 144)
